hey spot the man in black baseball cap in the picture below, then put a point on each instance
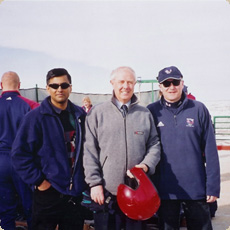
(186, 133)
(171, 83)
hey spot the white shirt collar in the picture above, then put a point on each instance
(119, 104)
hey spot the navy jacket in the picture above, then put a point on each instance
(13, 107)
(39, 150)
(189, 165)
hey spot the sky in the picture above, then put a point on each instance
(91, 38)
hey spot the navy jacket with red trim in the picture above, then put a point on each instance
(13, 107)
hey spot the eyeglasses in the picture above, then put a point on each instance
(63, 85)
(168, 83)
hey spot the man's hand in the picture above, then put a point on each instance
(97, 194)
(142, 166)
(211, 199)
(44, 185)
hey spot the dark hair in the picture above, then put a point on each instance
(57, 72)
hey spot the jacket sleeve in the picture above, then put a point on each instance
(91, 162)
(211, 155)
(153, 148)
(24, 151)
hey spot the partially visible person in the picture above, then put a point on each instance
(182, 176)
(189, 95)
(13, 191)
(120, 135)
(47, 154)
(87, 104)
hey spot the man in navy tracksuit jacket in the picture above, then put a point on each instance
(47, 154)
(13, 107)
(188, 173)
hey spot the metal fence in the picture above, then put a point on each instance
(222, 127)
(222, 132)
(39, 94)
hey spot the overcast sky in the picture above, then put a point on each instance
(91, 38)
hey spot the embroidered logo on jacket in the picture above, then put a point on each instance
(9, 99)
(160, 124)
(139, 132)
(190, 122)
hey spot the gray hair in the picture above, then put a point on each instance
(121, 69)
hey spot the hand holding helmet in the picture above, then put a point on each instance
(142, 202)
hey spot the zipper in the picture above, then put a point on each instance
(71, 183)
(77, 151)
(126, 149)
(175, 119)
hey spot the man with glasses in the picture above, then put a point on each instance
(47, 154)
(185, 176)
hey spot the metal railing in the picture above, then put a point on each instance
(222, 132)
(140, 81)
(222, 127)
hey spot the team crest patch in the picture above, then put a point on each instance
(190, 122)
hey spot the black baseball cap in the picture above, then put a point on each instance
(171, 72)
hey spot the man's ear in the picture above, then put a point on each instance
(160, 87)
(182, 82)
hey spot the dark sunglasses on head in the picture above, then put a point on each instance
(63, 85)
(168, 83)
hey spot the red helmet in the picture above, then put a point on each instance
(140, 203)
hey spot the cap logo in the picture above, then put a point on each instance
(168, 71)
